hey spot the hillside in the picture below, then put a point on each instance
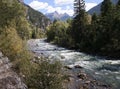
(8, 78)
(37, 18)
(97, 8)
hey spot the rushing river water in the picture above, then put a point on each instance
(107, 71)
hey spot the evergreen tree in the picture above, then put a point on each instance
(79, 22)
(106, 7)
(78, 6)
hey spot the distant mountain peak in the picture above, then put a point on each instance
(56, 15)
(56, 12)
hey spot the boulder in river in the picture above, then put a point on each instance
(68, 67)
(78, 66)
(82, 76)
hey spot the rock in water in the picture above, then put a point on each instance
(78, 66)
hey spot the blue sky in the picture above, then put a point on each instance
(61, 6)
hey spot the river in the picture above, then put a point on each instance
(101, 69)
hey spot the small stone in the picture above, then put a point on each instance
(70, 79)
(1, 55)
(5, 60)
(62, 57)
(68, 67)
(87, 82)
(78, 66)
(82, 75)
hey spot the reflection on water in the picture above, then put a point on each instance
(99, 68)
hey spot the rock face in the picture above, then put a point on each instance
(8, 78)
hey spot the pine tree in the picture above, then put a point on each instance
(78, 6)
(79, 22)
(106, 7)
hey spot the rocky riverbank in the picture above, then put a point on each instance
(76, 78)
(8, 78)
(79, 79)
(81, 70)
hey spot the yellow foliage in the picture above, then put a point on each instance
(11, 45)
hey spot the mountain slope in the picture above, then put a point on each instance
(56, 15)
(37, 18)
(97, 8)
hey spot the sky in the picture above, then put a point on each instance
(61, 6)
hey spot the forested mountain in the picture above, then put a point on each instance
(56, 15)
(97, 8)
(37, 18)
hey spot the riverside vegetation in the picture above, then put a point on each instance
(14, 31)
(98, 34)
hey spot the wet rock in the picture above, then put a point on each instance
(82, 76)
(62, 57)
(37, 45)
(78, 66)
(103, 85)
(41, 53)
(54, 49)
(68, 67)
(87, 82)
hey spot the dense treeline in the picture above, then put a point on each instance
(38, 21)
(14, 31)
(99, 35)
(58, 33)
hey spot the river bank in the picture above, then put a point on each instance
(9, 79)
(96, 69)
(75, 77)
(79, 79)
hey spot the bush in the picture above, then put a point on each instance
(45, 75)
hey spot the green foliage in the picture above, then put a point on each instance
(13, 29)
(106, 7)
(58, 32)
(10, 44)
(99, 34)
(46, 75)
(78, 6)
(13, 13)
(37, 18)
(78, 27)
(23, 28)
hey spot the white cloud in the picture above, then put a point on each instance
(50, 9)
(90, 5)
(67, 10)
(63, 2)
(38, 5)
(65, 6)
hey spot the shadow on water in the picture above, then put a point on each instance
(110, 67)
